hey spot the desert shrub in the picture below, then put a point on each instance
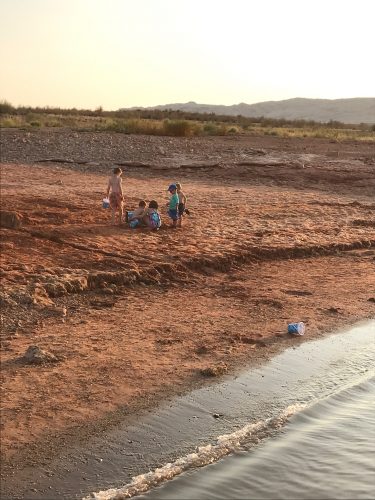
(210, 128)
(270, 132)
(69, 121)
(13, 121)
(8, 122)
(30, 117)
(35, 124)
(178, 128)
(6, 108)
(135, 126)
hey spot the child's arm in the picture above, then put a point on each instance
(108, 188)
(120, 187)
(184, 199)
(139, 213)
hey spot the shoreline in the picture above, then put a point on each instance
(98, 462)
(231, 349)
(253, 326)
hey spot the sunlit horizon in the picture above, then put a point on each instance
(116, 54)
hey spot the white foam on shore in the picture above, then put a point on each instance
(204, 455)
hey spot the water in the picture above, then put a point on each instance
(304, 428)
(327, 451)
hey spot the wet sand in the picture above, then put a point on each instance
(278, 232)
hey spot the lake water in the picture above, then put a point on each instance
(306, 430)
(326, 451)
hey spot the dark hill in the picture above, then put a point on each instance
(355, 110)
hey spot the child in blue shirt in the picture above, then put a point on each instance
(173, 205)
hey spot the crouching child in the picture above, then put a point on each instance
(152, 217)
(135, 217)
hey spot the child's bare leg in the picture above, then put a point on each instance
(121, 214)
(145, 221)
(113, 217)
(179, 222)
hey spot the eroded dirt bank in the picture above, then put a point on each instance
(279, 231)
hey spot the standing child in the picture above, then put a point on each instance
(181, 203)
(173, 205)
(114, 192)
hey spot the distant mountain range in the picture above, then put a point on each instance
(355, 110)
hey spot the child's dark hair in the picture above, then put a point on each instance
(142, 203)
(153, 204)
(117, 170)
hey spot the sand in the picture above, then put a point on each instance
(279, 231)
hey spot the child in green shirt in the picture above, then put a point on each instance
(173, 205)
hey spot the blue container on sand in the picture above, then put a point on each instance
(134, 223)
(296, 328)
(105, 203)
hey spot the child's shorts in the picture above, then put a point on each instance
(173, 214)
(116, 201)
(181, 209)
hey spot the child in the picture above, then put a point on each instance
(152, 217)
(137, 214)
(181, 203)
(116, 198)
(173, 205)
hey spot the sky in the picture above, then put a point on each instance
(124, 53)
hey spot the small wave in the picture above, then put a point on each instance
(204, 455)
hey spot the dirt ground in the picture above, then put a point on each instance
(280, 230)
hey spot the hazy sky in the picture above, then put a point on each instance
(121, 53)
